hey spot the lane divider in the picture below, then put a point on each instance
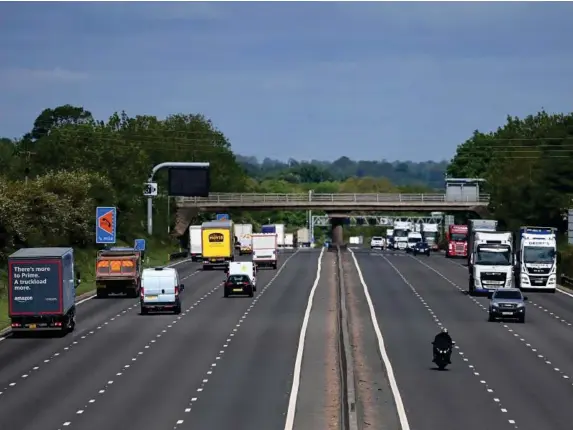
(107, 386)
(472, 368)
(30, 372)
(511, 330)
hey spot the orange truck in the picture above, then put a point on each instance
(118, 271)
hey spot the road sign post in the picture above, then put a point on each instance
(150, 180)
(106, 225)
(570, 225)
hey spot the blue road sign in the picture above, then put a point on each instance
(106, 225)
(222, 217)
(139, 245)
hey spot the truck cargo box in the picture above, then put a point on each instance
(41, 281)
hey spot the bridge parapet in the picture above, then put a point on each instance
(292, 199)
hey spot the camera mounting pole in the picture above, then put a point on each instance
(153, 172)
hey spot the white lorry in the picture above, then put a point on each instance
(492, 262)
(289, 240)
(430, 233)
(265, 250)
(243, 233)
(536, 259)
(303, 237)
(401, 230)
(390, 238)
(195, 243)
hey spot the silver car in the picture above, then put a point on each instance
(507, 303)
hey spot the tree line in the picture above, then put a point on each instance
(429, 173)
(528, 165)
(53, 177)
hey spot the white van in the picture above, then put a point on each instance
(160, 288)
(244, 268)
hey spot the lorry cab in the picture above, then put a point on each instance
(160, 288)
(492, 262)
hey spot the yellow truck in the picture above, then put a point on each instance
(218, 244)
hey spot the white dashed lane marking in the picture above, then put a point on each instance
(226, 344)
(472, 368)
(514, 333)
(153, 342)
(74, 343)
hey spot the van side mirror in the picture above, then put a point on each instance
(78, 279)
(525, 298)
(490, 295)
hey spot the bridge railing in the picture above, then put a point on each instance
(329, 197)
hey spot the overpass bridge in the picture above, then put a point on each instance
(340, 202)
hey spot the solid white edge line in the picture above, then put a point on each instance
(404, 424)
(291, 411)
(87, 299)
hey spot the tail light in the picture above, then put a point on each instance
(176, 290)
(141, 292)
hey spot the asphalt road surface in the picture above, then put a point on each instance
(504, 375)
(221, 364)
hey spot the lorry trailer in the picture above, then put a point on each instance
(42, 290)
(195, 243)
(218, 244)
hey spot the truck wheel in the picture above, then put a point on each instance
(101, 294)
(275, 266)
(225, 293)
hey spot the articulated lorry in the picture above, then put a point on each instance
(401, 230)
(243, 233)
(475, 225)
(118, 271)
(491, 261)
(303, 237)
(218, 244)
(195, 243)
(390, 238)
(265, 250)
(457, 237)
(278, 229)
(42, 290)
(430, 233)
(536, 258)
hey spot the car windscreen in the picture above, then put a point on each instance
(376, 238)
(511, 295)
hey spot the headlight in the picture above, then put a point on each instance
(524, 279)
(552, 280)
(495, 305)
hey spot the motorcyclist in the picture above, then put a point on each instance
(443, 341)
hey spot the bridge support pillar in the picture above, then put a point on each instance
(337, 231)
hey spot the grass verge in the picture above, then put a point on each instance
(157, 254)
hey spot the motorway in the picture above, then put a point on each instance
(503, 376)
(242, 363)
(222, 363)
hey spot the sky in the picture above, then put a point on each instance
(394, 81)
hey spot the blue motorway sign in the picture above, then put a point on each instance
(139, 245)
(222, 217)
(106, 225)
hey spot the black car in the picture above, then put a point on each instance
(238, 284)
(421, 248)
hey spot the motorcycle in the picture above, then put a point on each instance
(442, 356)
